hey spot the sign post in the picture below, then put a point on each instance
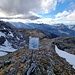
(33, 44)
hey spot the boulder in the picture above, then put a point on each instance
(2, 40)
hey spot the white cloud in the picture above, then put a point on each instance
(71, 16)
(66, 15)
(48, 5)
(44, 20)
(61, 16)
(2, 15)
(17, 20)
(72, 5)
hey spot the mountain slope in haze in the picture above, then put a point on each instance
(57, 29)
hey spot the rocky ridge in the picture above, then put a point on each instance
(44, 61)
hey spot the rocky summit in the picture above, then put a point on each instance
(44, 61)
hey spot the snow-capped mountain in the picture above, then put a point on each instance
(58, 29)
(72, 27)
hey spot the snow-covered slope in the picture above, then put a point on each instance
(6, 48)
(10, 38)
(2, 34)
(5, 45)
(69, 57)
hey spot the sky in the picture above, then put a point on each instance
(46, 11)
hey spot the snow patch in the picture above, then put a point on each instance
(11, 34)
(63, 32)
(2, 34)
(18, 38)
(2, 53)
(6, 47)
(70, 58)
(21, 36)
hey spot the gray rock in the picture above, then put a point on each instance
(22, 59)
(11, 71)
(13, 60)
(31, 69)
(6, 63)
(2, 40)
(25, 68)
(50, 71)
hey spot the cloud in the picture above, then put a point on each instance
(71, 16)
(44, 20)
(66, 15)
(20, 16)
(2, 14)
(24, 7)
(62, 15)
(13, 7)
(48, 5)
(62, 1)
(72, 5)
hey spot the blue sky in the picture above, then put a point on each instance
(49, 10)
(65, 6)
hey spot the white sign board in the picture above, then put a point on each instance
(33, 43)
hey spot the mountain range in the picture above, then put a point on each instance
(57, 29)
